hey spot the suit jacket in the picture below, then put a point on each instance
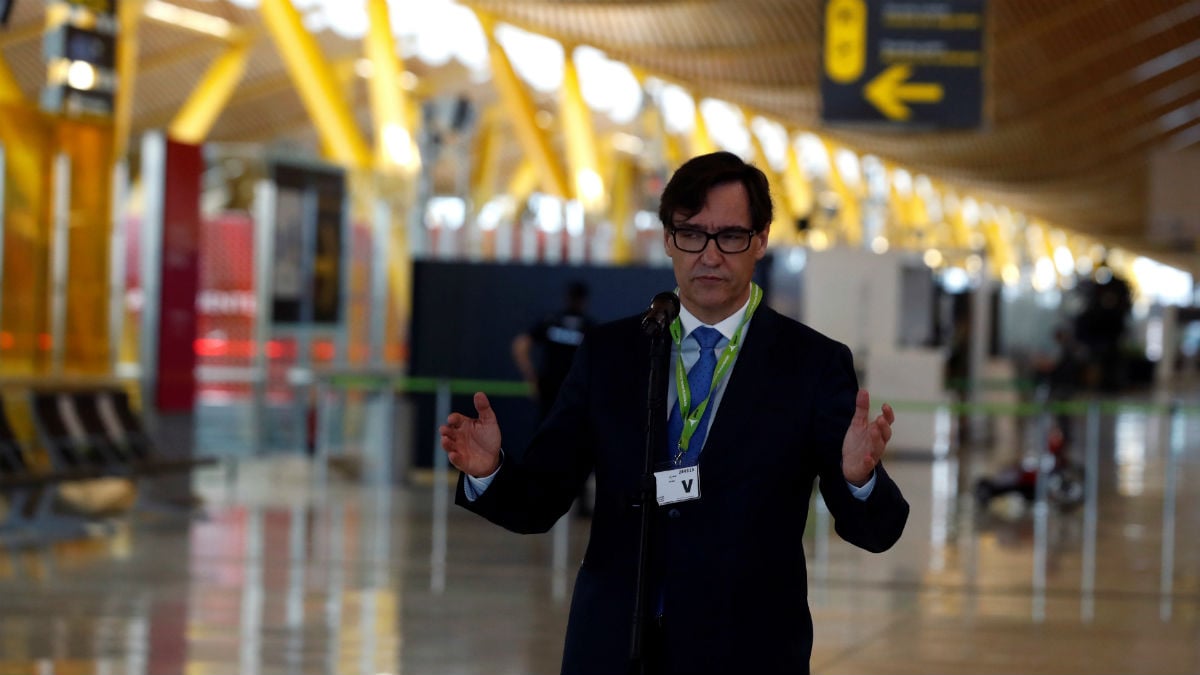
(731, 564)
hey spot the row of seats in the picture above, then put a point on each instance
(86, 433)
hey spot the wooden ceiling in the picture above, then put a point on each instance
(1079, 94)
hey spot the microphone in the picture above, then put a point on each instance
(662, 311)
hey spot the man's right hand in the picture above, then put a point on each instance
(473, 444)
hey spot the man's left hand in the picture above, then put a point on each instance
(865, 441)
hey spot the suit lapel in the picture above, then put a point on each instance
(745, 389)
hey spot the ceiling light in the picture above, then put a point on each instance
(190, 19)
(81, 75)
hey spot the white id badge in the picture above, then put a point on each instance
(678, 485)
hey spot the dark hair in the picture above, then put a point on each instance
(688, 188)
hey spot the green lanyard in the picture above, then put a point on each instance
(691, 417)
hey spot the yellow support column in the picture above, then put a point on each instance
(784, 213)
(486, 170)
(965, 236)
(27, 137)
(24, 173)
(395, 147)
(199, 113)
(849, 210)
(796, 185)
(522, 112)
(400, 281)
(316, 84)
(397, 157)
(997, 230)
(937, 234)
(894, 227)
(655, 127)
(28, 145)
(129, 15)
(10, 90)
(524, 181)
(621, 212)
(89, 147)
(588, 185)
(701, 141)
(908, 214)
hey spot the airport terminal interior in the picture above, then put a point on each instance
(253, 252)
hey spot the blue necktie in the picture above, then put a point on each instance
(699, 381)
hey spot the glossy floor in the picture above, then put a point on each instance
(292, 574)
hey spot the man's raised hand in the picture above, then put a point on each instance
(865, 440)
(473, 444)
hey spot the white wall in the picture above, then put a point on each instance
(856, 297)
(853, 296)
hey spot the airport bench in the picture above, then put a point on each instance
(29, 491)
(87, 432)
(97, 428)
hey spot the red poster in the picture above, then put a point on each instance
(180, 278)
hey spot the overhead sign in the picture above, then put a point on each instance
(80, 50)
(914, 63)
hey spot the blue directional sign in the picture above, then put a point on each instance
(911, 63)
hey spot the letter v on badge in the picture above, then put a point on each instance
(678, 485)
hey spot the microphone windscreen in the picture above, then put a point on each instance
(663, 309)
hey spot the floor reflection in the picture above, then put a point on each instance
(290, 574)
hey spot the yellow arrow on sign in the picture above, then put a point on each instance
(889, 91)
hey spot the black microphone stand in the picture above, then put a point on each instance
(656, 406)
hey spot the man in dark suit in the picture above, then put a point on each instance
(767, 406)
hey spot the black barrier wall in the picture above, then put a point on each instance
(465, 316)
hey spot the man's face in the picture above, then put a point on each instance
(714, 284)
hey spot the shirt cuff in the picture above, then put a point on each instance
(474, 487)
(860, 493)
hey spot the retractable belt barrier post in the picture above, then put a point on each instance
(389, 383)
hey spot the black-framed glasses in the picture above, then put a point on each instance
(730, 240)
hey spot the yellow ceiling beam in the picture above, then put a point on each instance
(395, 147)
(622, 210)
(957, 228)
(524, 181)
(522, 111)
(1042, 245)
(192, 20)
(701, 141)
(400, 273)
(10, 89)
(129, 15)
(579, 132)
(208, 100)
(849, 212)
(654, 126)
(20, 154)
(784, 212)
(938, 233)
(25, 169)
(316, 83)
(485, 171)
(997, 230)
(797, 185)
(906, 213)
